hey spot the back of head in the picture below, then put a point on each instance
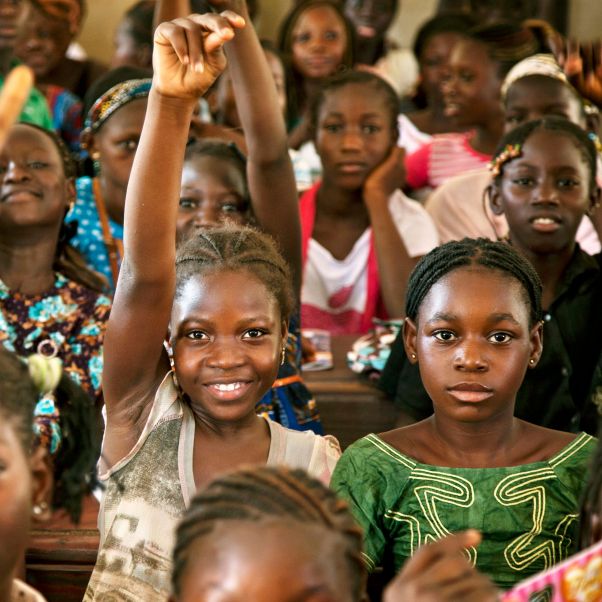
(480, 252)
(140, 19)
(378, 86)
(265, 493)
(233, 248)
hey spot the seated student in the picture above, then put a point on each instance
(361, 235)
(433, 46)
(49, 301)
(544, 192)
(474, 329)
(44, 466)
(48, 29)
(533, 88)
(374, 52)
(224, 302)
(471, 93)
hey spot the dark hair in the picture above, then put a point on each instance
(363, 78)
(294, 81)
(68, 260)
(140, 17)
(459, 23)
(235, 248)
(498, 256)
(506, 43)
(557, 125)
(592, 498)
(113, 77)
(264, 493)
(75, 462)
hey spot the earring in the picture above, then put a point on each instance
(531, 362)
(413, 356)
(95, 156)
(39, 509)
(283, 357)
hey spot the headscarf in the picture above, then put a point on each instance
(65, 10)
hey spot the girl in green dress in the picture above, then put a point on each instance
(473, 327)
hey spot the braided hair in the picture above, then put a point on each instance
(558, 125)
(75, 461)
(234, 248)
(68, 260)
(498, 256)
(264, 493)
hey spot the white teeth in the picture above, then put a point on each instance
(228, 387)
(544, 220)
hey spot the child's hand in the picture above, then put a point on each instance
(439, 572)
(388, 176)
(188, 53)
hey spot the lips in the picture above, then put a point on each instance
(351, 167)
(19, 195)
(470, 392)
(230, 390)
(452, 109)
(545, 223)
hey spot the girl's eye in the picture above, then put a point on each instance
(500, 337)
(567, 183)
(444, 335)
(196, 335)
(466, 76)
(187, 203)
(333, 128)
(524, 181)
(301, 38)
(254, 333)
(230, 208)
(129, 145)
(37, 165)
(371, 129)
(331, 36)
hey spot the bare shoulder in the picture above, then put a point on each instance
(540, 443)
(412, 441)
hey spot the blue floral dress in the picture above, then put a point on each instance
(70, 315)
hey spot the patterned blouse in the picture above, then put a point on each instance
(70, 315)
(528, 514)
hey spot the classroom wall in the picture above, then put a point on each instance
(585, 21)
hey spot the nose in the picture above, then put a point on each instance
(546, 193)
(205, 217)
(448, 84)
(15, 172)
(351, 140)
(225, 354)
(470, 358)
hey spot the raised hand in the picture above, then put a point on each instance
(440, 572)
(188, 53)
(388, 176)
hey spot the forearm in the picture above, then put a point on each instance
(154, 188)
(394, 261)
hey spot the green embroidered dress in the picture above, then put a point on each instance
(527, 514)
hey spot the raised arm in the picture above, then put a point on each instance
(167, 10)
(187, 57)
(269, 169)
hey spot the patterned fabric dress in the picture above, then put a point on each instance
(527, 514)
(70, 315)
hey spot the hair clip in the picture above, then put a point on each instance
(511, 151)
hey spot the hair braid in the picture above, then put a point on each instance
(498, 256)
(264, 493)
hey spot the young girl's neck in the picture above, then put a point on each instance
(26, 264)
(487, 137)
(334, 201)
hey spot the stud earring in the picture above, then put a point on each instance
(39, 509)
(96, 162)
(413, 356)
(531, 362)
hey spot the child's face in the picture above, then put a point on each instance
(10, 13)
(319, 41)
(544, 194)
(213, 191)
(371, 18)
(434, 62)
(23, 482)
(354, 134)
(535, 97)
(229, 566)
(126, 50)
(42, 42)
(471, 90)
(473, 344)
(33, 188)
(116, 143)
(227, 335)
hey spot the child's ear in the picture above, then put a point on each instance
(42, 477)
(536, 342)
(409, 340)
(86, 140)
(493, 196)
(284, 330)
(594, 200)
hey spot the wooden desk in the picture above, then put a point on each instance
(349, 405)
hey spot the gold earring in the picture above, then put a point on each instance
(532, 362)
(283, 357)
(39, 509)
(413, 356)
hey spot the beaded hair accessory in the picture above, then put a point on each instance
(113, 99)
(511, 151)
(46, 370)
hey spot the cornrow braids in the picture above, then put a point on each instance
(233, 248)
(362, 78)
(520, 135)
(68, 260)
(265, 493)
(592, 499)
(493, 255)
(74, 464)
